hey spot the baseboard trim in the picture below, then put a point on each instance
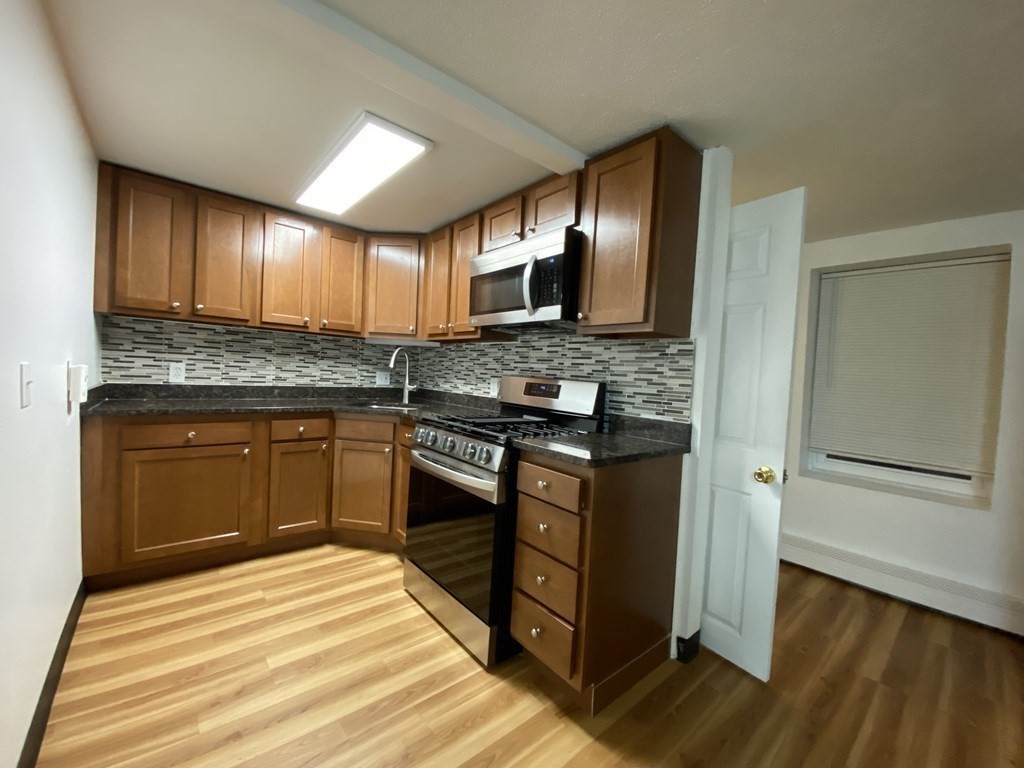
(947, 595)
(37, 728)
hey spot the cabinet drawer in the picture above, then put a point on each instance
(357, 429)
(553, 644)
(300, 429)
(550, 486)
(549, 529)
(547, 581)
(403, 435)
(136, 436)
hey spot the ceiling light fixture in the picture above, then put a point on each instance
(370, 153)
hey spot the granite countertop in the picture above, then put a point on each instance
(628, 438)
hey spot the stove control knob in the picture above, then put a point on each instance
(469, 451)
(448, 444)
(430, 437)
(417, 435)
(484, 455)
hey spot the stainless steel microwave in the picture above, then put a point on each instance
(533, 281)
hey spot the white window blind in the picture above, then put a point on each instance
(908, 364)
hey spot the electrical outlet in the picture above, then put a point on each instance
(383, 378)
(176, 374)
(495, 383)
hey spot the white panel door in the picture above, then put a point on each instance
(749, 429)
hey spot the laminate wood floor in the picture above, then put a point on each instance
(318, 658)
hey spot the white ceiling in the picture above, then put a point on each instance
(891, 113)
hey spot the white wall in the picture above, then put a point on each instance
(47, 221)
(964, 561)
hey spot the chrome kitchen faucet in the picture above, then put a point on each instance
(406, 388)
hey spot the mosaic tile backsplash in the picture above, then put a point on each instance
(645, 378)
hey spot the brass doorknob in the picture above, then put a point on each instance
(765, 475)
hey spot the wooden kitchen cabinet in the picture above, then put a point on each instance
(291, 270)
(552, 204)
(639, 221)
(400, 492)
(436, 286)
(153, 245)
(180, 500)
(341, 280)
(229, 241)
(465, 246)
(362, 482)
(595, 570)
(392, 289)
(503, 222)
(299, 486)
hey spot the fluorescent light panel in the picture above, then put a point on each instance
(371, 152)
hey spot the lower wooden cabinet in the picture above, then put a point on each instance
(400, 492)
(362, 483)
(178, 500)
(298, 487)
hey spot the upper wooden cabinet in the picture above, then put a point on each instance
(291, 270)
(392, 288)
(465, 245)
(503, 222)
(552, 204)
(341, 280)
(153, 245)
(639, 222)
(229, 238)
(436, 286)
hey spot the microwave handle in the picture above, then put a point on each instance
(527, 279)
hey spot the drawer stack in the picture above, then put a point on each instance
(545, 602)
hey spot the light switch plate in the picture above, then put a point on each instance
(176, 374)
(383, 378)
(25, 376)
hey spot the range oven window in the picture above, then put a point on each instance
(494, 292)
(450, 535)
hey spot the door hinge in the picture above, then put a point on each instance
(785, 476)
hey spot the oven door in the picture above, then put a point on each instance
(461, 531)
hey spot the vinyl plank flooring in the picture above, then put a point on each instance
(318, 659)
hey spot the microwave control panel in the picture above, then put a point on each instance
(549, 271)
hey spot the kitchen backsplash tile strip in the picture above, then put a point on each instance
(652, 379)
(644, 378)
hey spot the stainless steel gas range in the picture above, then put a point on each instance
(460, 536)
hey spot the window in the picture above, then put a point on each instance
(907, 371)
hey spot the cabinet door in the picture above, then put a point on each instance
(291, 270)
(400, 492)
(177, 500)
(393, 286)
(228, 240)
(298, 487)
(155, 244)
(503, 223)
(465, 245)
(362, 486)
(436, 284)
(341, 293)
(616, 224)
(552, 205)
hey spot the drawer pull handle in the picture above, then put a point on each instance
(245, 451)
(535, 633)
(542, 527)
(541, 580)
(301, 430)
(191, 435)
(542, 484)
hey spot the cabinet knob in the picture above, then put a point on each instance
(200, 307)
(323, 323)
(542, 484)
(441, 327)
(450, 326)
(175, 304)
(542, 527)
(408, 435)
(191, 435)
(387, 450)
(323, 447)
(541, 580)
(581, 316)
(535, 632)
(412, 328)
(245, 451)
(305, 321)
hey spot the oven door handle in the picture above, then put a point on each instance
(488, 490)
(527, 279)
